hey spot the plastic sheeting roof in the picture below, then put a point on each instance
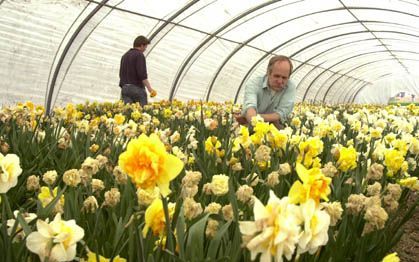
(343, 51)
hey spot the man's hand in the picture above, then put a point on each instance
(240, 119)
(153, 92)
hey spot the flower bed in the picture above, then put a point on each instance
(184, 182)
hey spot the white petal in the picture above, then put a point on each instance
(273, 198)
(37, 243)
(44, 228)
(247, 227)
(266, 256)
(259, 210)
(59, 253)
(261, 238)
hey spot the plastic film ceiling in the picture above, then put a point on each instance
(343, 51)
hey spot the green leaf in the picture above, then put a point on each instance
(216, 241)
(180, 233)
(195, 243)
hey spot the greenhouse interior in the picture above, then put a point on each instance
(209, 130)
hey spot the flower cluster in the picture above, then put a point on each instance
(183, 180)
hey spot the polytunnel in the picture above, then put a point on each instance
(209, 130)
(344, 51)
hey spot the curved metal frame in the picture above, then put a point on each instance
(189, 58)
(212, 36)
(324, 39)
(167, 22)
(342, 61)
(78, 49)
(388, 50)
(238, 48)
(341, 70)
(273, 49)
(57, 52)
(327, 50)
(66, 49)
(113, 7)
(244, 43)
(416, 60)
(350, 71)
(362, 87)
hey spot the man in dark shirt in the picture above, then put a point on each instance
(133, 74)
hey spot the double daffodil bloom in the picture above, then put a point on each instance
(315, 186)
(9, 171)
(347, 158)
(56, 241)
(275, 231)
(148, 164)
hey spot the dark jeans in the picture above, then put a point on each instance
(133, 93)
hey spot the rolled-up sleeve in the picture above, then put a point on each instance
(251, 94)
(286, 104)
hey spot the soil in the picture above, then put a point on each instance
(408, 246)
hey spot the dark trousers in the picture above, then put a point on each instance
(132, 93)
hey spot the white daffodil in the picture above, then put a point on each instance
(28, 217)
(9, 171)
(316, 225)
(275, 231)
(56, 241)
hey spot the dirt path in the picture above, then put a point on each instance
(408, 247)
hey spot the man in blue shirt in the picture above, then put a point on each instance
(272, 96)
(133, 73)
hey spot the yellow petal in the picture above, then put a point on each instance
(296, 193)
(173, 166)
(302, 172)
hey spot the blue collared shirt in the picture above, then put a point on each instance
(259, 96)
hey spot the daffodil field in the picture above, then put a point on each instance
(182, 181)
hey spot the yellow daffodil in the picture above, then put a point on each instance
(243, 140)
(347, 158)
(148, 164)
(400, 145)
(393, 159)
(315, 186)
(376, 132)
(212, 145)
(296, 122)
(322, 129)
(92, 257)
(312, 147)
(391, 258)
(46, 196)
(135, 115)
(277, 139)
(411, 182)
(309, 150)
(155, 218)
(262, 127)
(167, 113)
(119, 119)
